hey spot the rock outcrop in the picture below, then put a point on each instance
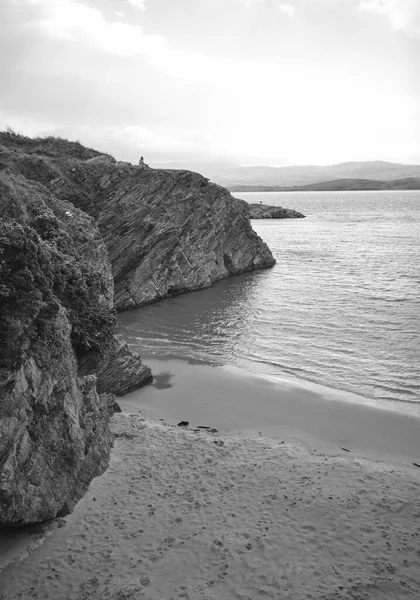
(121, 371)
(167, 232)
(68, 214)
(56, 329)
(265, 211)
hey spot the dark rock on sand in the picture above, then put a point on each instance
(122, 370)
(111, 402)
(265, 211)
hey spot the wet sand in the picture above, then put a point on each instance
(232, 400)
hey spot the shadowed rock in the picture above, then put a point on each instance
(122, 370)
(56, 330)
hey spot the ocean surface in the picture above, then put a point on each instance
(341, 308)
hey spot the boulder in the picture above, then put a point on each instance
(122, 370)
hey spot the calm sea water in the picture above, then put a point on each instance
(341, 307)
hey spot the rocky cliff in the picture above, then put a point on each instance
(167, 232)
(56, 330)
(69, 214)
(265, 211)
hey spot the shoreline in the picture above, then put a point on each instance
(202, 516)
(296, 493)
(236, 402)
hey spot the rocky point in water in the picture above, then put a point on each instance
(69, 216)
(265, 211)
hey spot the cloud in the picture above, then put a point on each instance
(138, 4)
(403, 15)
(250, 3)
(288, 9)
(261, 83)
(71, 20)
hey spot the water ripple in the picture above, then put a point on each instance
(341, 307)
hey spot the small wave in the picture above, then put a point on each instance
(399, 392)
(397, 400)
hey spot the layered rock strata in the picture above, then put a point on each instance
(265, 211)
(167, 232)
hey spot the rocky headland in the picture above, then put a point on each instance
(265, 211)
(80, 236)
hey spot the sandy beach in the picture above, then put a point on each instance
(301, 493)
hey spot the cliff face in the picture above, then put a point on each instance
(166, 232)
(265, 211)
(54, 437)
(56, 329)
(67, 215)
(169, 232)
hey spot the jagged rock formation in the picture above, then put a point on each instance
(169, 232)
(56, 329)
(265, 211)
(121, 371)
(165, 232)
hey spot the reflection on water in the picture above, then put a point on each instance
(208, 325)
(340, 308)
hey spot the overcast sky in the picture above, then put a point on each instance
(273, 82)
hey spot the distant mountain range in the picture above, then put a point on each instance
(362, 175)
(337, 185)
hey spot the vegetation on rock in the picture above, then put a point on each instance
(40, 270)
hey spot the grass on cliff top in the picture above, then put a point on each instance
(49, 146)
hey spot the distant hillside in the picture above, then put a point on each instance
(410, 183)
(232, 176)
